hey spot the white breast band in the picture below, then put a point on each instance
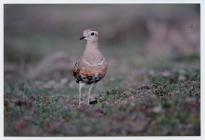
(96, 64)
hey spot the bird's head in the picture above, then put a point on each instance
(90, 35)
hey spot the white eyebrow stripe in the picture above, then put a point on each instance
(94, 65)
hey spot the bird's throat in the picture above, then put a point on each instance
(92, 52)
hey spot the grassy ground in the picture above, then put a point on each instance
(138, 97)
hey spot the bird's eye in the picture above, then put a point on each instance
(92, 33)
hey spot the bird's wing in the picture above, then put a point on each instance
(76, 69)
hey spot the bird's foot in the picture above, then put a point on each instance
(93, 101)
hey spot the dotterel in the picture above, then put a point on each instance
(92, 66)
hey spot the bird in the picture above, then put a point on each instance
(91, 67)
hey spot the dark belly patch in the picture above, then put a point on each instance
(89, 79)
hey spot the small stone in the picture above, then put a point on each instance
(157, 109)
(166, 74)
(181, 78)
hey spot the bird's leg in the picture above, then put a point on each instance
(89, 92)
(80, 90)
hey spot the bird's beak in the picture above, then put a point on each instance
(82, 38)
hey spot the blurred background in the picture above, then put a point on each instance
(35, 32)
(153, 82)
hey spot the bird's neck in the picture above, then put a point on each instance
(92, 52)
(92, 45)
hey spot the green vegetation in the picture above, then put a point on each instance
(166, 106)
(152, 87)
